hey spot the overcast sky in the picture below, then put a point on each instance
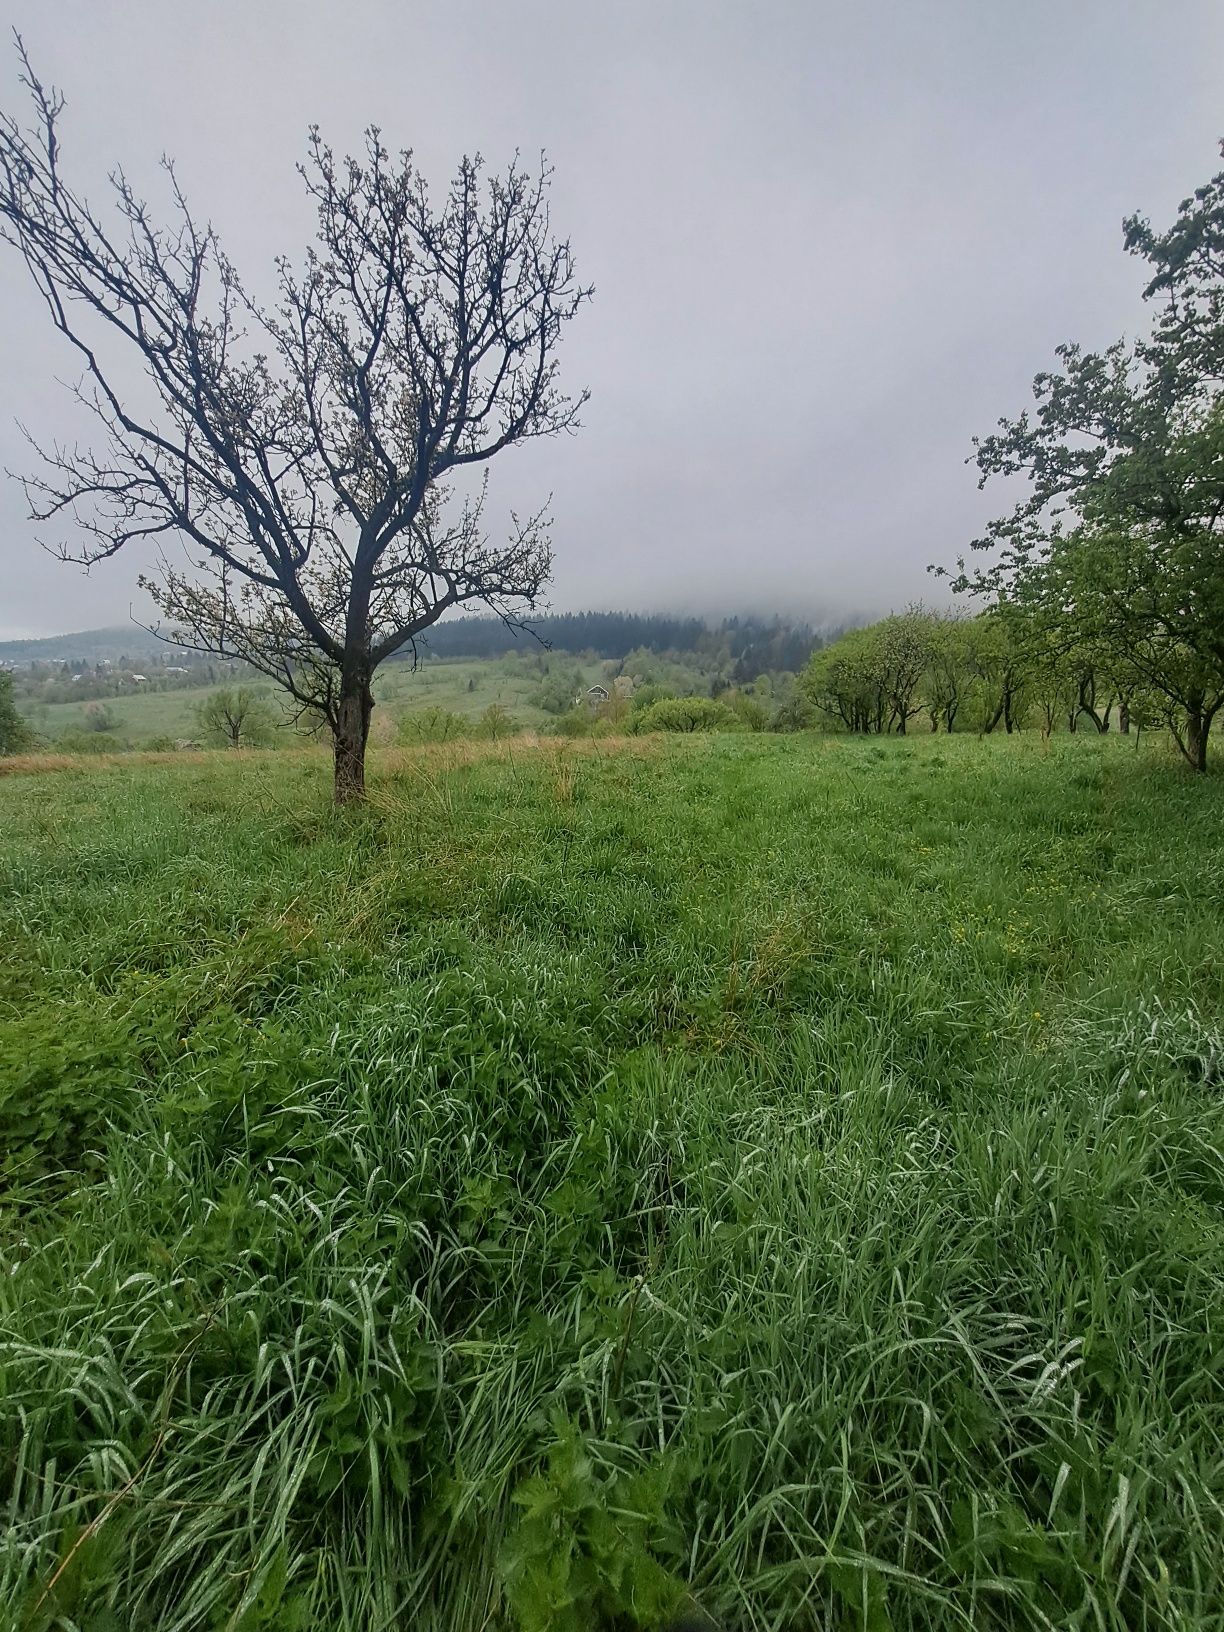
(830, 243)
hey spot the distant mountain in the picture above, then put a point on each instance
(87, 646)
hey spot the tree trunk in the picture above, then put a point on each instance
(1197, 727)
(1193, 744)
(350, 733)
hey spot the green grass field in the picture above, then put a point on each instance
(781, 1173)
(463, 688)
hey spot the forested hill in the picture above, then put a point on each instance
(772, 643)
(762, 644)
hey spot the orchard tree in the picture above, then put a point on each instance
(1120, 539)
(317, 462)
(949, 674)
(235, 717)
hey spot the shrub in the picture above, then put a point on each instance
(89, 742)
(688, 714)
(99, 717)
(497, 722)
(431, 725)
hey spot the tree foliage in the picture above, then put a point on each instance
(687, 714)
(15, 735)
(1115, 549)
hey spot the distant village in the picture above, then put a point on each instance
(79, 679)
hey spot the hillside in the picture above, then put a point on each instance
(87, 646)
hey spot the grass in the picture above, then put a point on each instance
(784, 1174)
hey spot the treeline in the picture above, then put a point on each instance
(750, 646)
(939, 672)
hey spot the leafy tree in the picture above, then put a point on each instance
(844, 681)
(686, 714)
(870, 678)
(236, 717)
(1000, 665)
(307, 455)
(558, 689)
(15, 735)
(751, 712)
(1117, 544)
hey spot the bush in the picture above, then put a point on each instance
(688, 714)
(796, 714)
(89, 742)
(98, 717)
(431, 725)
(497, 722)
(750, 711)
(579, 722)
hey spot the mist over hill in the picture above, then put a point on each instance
(606, 634)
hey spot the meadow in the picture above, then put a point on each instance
(455, 686)
(778, 1178)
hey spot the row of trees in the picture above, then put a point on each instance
(950, 673)
(1114, 555)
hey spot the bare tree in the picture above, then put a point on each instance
(315, 461)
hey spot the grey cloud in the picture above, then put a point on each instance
(830, 243)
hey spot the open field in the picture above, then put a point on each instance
(784, 1170)
(466, 688)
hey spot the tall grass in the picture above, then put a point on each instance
(780, 1177)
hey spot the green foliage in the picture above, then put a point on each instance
(100, 717)
(496, 723)
(580, 1555)
(562, 684)
(687, 714)
(750, 711)
(88, 742)
(15, 735)
(869, 679)
(426, 725)
(236, 717)
(1115, 550)
(821, 1130)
